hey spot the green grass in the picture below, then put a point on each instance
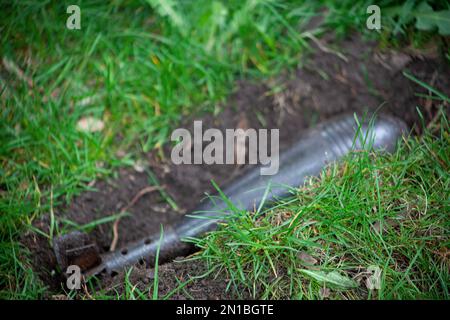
(138, 67)
(372, 209)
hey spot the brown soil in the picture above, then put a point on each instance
(364, 78)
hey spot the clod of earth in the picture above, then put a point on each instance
(328, 142)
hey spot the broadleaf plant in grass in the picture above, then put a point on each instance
(426, 16)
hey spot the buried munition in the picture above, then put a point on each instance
(328, 142)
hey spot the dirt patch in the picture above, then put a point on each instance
(176, 282)
(360, 77)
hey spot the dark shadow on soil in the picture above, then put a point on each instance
(362, 78)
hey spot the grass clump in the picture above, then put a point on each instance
(373, 211)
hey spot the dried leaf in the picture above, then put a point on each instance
(324, 292)
(306, 258)
(90, 124)
(386, 224)
(139, 166)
